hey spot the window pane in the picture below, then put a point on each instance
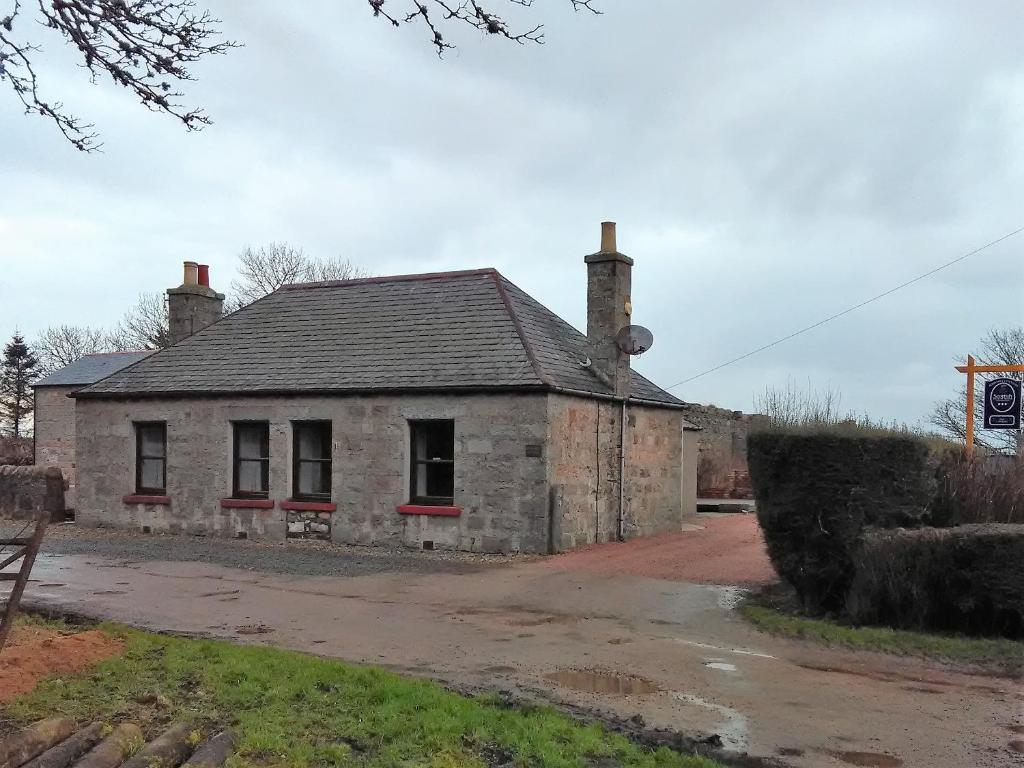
(151, 439)
(440, 440)
(433, 440)
(314, 478)
(151, 473)
(250, 477)
(253, 441)
(419, 485)
(314, 441)
(440, 480)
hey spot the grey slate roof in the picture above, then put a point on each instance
(444, 331)
(91, 368)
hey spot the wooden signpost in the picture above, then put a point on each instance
(971, 369)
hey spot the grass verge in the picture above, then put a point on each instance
(993, 655)
(292, 709)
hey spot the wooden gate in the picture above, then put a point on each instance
(25, 549)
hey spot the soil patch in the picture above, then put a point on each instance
(728, 549)
(34, 652)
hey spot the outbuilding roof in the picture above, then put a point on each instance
(471, 330)
(89, 369)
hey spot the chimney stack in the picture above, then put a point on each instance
(193, 305)
(609, 278)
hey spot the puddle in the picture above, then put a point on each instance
(1016, 728)
(737, 651)
(537, 621)
(733, 731)
(729, 597)
(110, 592)
(721, 666)
(603, 682)
(253, 629)
(1017, 746)
(867, 759)
(51, 585)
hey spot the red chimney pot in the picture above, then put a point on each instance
(204, 275)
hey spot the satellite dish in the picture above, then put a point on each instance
(634, 339)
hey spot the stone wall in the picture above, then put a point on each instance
(584, 466)
(654, 471)
(722, 449)
(28, 492)
(500, 469)
(55, 434)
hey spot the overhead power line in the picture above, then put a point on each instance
(848, 310)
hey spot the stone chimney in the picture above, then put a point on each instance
(609, 276)
(193, 305)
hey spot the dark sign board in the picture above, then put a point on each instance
(1002, 404)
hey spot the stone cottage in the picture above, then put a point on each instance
(54, 414)
(446, 410)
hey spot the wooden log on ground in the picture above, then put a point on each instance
(168, 750)
(69, 750)
(18, 748)
(213, 753)
(112, 751)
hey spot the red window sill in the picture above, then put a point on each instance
(139, 498)
(247, 503)
(424, 509)
(309, 506)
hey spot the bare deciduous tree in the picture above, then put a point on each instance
(144, 326)
(997, 347)
(265, 269)
(61, 345)
(145, 46)
(479, 15)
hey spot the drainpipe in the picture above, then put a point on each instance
(622, 467)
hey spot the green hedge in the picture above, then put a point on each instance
(968, 579)
(816, 492)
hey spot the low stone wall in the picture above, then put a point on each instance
(27, 492)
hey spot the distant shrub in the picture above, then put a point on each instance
(968, 579)
(817, 491)
(976, 488)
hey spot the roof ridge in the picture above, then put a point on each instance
(116, 352)
(539, 372)
(390, 279)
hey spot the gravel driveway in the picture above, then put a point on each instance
(307, 558)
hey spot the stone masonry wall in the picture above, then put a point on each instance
(55, 434)
(584, 463)
(654, 471)
(500, 470)
(27, 492)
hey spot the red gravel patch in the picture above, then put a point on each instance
(34, 652)
(728, 550)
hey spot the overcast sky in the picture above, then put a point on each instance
(768, 164)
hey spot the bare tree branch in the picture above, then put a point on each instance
(433, 13)
(60, 345)
(265, 269)
(145, 46)
(144, 326)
